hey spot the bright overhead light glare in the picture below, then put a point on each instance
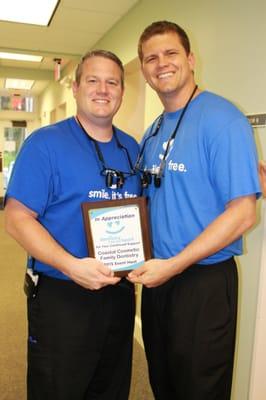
(28, 11)
(23, 84)
(20, 57)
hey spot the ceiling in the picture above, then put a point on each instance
(76, 26)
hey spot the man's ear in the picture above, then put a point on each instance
(143, 72)
(74, 88)
(191, 61)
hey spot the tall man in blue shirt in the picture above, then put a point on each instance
(199, 166)
(82, 318)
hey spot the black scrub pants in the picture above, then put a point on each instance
(80, 341)
(189, 328)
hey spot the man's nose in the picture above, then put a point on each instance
(102, 87)
(162, 60)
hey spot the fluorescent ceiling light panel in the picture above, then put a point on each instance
(34, 12)
(22, 84)
(20, 57)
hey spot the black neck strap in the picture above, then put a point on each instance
(172, 136)
(178, 123)
(97, 147)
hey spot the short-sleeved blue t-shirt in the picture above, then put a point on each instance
(212, 161)
(57, 169)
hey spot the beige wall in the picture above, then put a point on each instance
(258, 382)
(130, 117)
(54, 101)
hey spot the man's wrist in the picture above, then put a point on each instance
(67, 266)
(175, 264)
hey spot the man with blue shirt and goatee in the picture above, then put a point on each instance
(199, 169)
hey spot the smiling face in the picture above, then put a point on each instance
(168, 68)
(99, 93)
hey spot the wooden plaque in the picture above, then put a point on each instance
(118, 233)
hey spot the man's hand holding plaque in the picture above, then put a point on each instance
(118, 233)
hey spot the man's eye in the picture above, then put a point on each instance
(150, 59)
(113, 83)
(91, 80)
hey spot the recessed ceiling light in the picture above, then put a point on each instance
(28, 11)
(22, 84)
(20, 57)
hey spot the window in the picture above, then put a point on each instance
(17, 103)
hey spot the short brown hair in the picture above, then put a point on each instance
(99, 53)
(161, 27)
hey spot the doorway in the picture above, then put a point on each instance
(12, 140)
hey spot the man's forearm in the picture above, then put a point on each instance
(228, 227)
(22, 225)
(239, 216)
(36, 240)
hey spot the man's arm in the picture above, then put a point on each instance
(22, 225)
(239, 216)
(262, 176)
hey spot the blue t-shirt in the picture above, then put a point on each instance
(212, 161)
(57, 169)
